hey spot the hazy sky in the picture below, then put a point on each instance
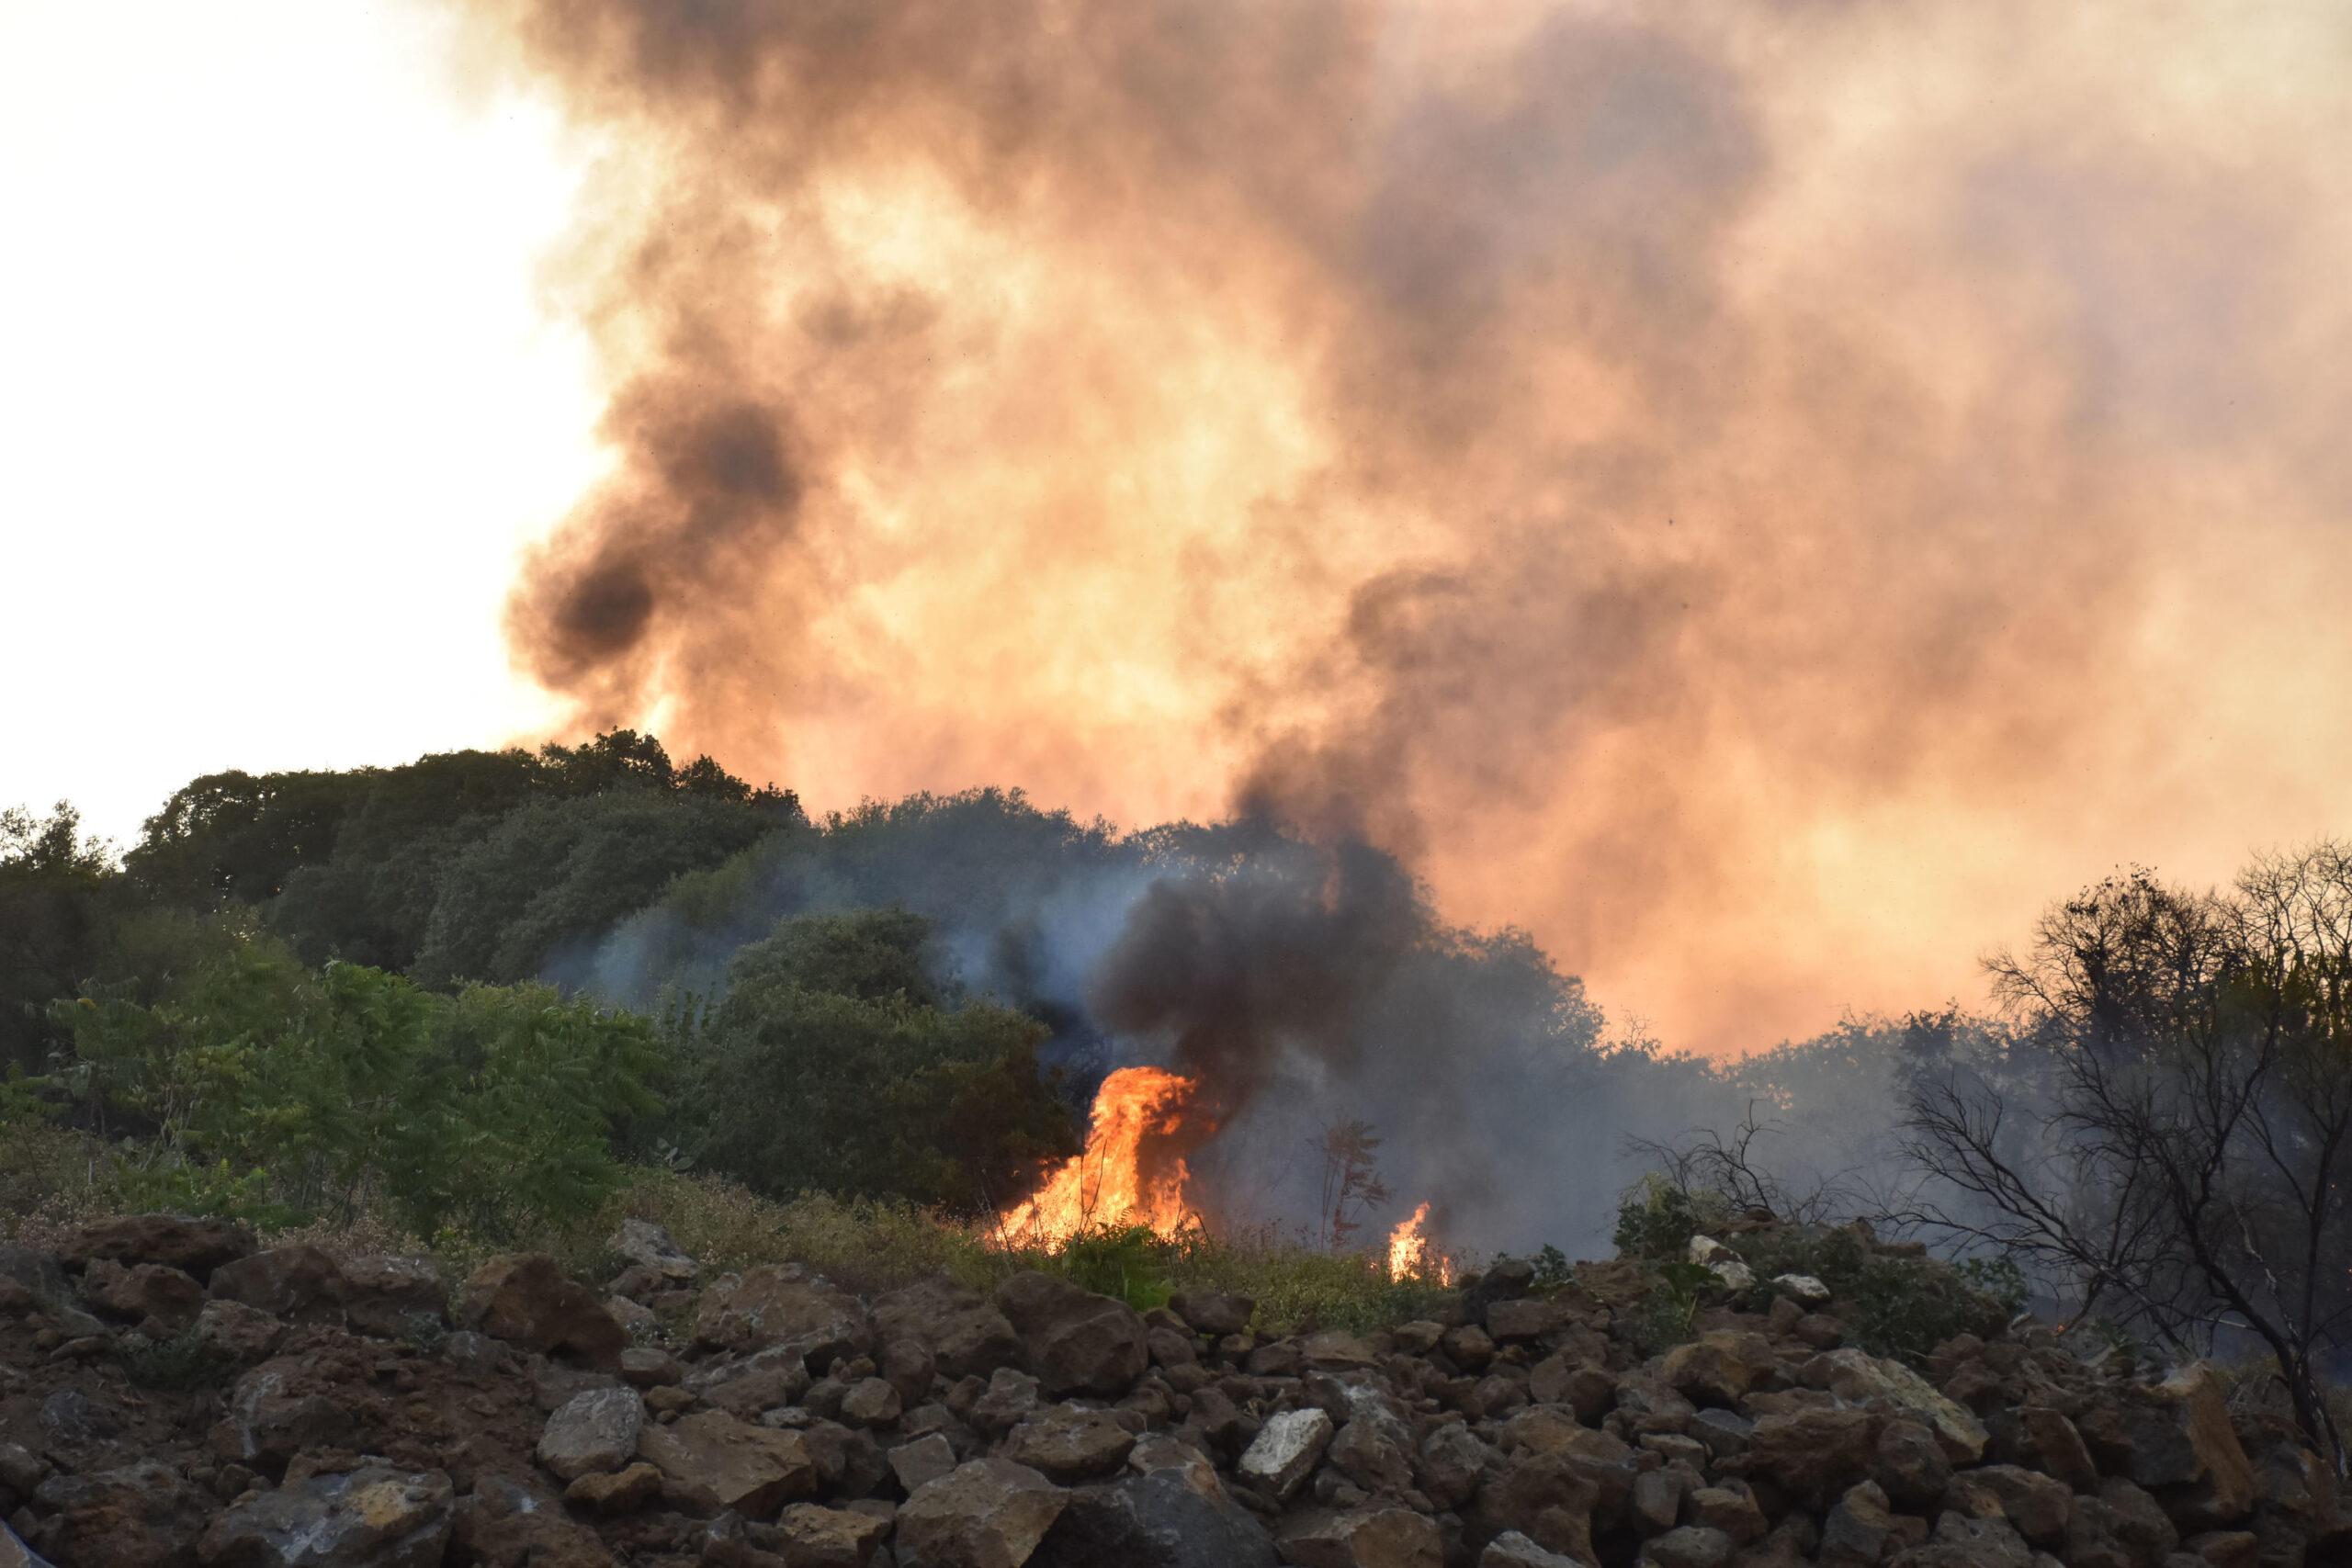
(1761, 495)
(277, 405)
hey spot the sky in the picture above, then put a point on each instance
(1762, 497)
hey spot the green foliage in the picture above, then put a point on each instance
(1892, 1304)
(54, 915)
(871, 1091)
(1656, 1220)
(260, 1081)
(157, 1181)
(1664, 1317)
(1553, 1269)
(1130, 1262)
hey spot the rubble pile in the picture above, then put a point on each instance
(172, 1396)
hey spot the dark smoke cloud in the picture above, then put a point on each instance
(1757, 494)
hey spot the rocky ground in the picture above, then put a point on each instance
(172, 1396)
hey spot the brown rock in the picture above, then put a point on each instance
(623, 1490)
(161, 1300)
(2175, 1440)
(593, 1431)
(236, 1331)
(1382, 1538)
(523, 1298)
(1855, 1533)
(389, 1296)
(299, 1284)
(783, 1305)
(176, 1241)
(2039, 1505)
(1719, 1368)
(871, 1401)
(375, 1517)
(814, 1536)
(143, 1516)
(1814, 1455)
(1214, 1313)
(1588, 1389)
(1073, 1342)
(2057, 1448)
(966, 1336)
(1066, 1444)
(1909, 1464)
(988, 1513)
(722, 1462)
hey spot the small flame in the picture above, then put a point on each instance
(1410, 1253)
(1107, 1184)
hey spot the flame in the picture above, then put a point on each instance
(1107, 1184)
(1410, 1253)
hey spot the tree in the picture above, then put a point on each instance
(833, 1063)
(53, 924)
(2186, 1175)
(1349, 1153)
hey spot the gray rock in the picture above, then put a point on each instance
(647, 1245)
(714, 1459)
(1362, 1538)
(925, 1459)
(1512, 1549)
(1692, 1546)
(1175, 1515)
(138, 1517)
(966, 1336)
(1073, 1342)
(375, 1517)
(1286, 1450)
(592, 1432)
(1066, 1444)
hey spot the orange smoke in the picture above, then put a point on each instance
(1760, 497)
(1128, 1175)
(1409, 1252)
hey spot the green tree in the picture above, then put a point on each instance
(54, 918)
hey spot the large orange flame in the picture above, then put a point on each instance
(1410, 1253)
(1109, 1184)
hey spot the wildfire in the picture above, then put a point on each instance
(1410, 1253)
(1109, 1183)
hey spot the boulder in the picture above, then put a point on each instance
(1512, 1549)
(988, 1513)
(966, 1336)
(389, 1296)
(375, 1517)
(1452, 1459)
(1075, 1342)
(722, 1462)
(814, 1536)
(1815, 1455)
(783, 1305)
(623, 1490)
(925, 1459)
(592, 1431)
(1856, 1532)
(1287, 1449)
(161, 1300)
(871, 1401)
(1214, 1313)
(2175, 1440)
(1176, 1516)
(1719, 1368)
(191, 1245)
(1362, 1538)
(1860, 1378)
(141, 1515)
(1692, 1546)
(647, 1245)
(1802, 1289)
(525, 1299)
(299, 1284)
(1066, 1444)
(235, 1332)
(2038, 1505)
(275, 1412)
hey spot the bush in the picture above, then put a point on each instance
(1892, 1304)
(1656, 1220)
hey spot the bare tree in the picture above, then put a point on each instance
(2183, 1168)
(1729, 1169)
(1351, 1184)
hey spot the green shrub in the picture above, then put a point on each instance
(177, 1365)
(1656, 1220)
(1891, 1304)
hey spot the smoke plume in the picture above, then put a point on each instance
(1755, 494)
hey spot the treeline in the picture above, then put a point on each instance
(299, 992)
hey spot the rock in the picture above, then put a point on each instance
(1961, 1541)
(592, 1431)
(1692, 1546)
(966, 1336)
(2175, 1440)
(21, 1470)
(2121, 1528)
(1382, 1538)
(143, 1516)
(275, 1412)
(647, 1245)
(759, 1382)
(909, 1366)
(2057, 1448)
(391, 1296)
(175, 1241)
(161, 1300)
(1590, 1391)
(1512, 1322)
(15, 1553)
(783, 1305)
(2039, 1505)
(871, 1401)
(722, 1462)
(503, 1524)
(622, 1492)
(1066, 1444)
(1719, 1368)
(1010, 1396)
(1855, 1534)
(375, 1517)
(1332, 1350)
(1909, 1465)
(299, 1284)
(1175, 1517)
(525, 1299)
(1815, 1455)
(1073, 1342)
(1512, 1549)
(1376, 1452)
(1859, 1377)
(1286, 1450)
(1467, 1345)
(1214, 1313)
(1802, 1289)
(648, 1366)
(236, 1331)
(1550, 1498)
(1452, 1458)
(814, 1536)
(1736, 1514)
(926, 1459)
(988, 1513)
